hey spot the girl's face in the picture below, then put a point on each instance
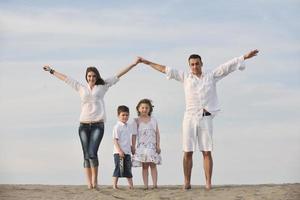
(91, 78)
(144, 109)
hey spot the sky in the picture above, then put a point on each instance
(256, 135)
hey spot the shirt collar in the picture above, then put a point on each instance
(121, 123)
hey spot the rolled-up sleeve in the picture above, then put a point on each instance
(174, 74)
(73, 83)
(228, 67)
(111, 81)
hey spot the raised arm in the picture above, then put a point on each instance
(251, 54)
(57, 74)
(156, 66)
(125, 70)
(232, 65)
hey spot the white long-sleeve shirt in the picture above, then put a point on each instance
(201, 93)
(92, 103)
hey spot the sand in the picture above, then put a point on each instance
(230, 192)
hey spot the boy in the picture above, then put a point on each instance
(122, 147)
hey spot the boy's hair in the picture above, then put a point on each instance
(123, 108)
(146, 101)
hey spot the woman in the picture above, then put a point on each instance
(92, 115)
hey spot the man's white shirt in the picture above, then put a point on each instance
(201, 93)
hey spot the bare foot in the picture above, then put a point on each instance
(90, 187)
(130, 187)
(115, 187)
(94, 186)
(154, 187)
(208, 187)
(187, 187)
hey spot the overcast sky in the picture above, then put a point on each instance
(256, 136)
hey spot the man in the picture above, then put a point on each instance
(201, 106)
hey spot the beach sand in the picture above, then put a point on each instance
(232, 192)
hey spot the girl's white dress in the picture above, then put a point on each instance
(146, 143)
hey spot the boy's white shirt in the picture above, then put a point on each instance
(122, 132)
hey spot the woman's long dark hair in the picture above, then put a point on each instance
(99, 80)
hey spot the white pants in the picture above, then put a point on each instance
(197, 131)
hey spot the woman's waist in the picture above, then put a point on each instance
(92, 122)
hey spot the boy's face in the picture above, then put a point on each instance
(123, 116)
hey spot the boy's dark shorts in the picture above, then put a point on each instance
(126, 166)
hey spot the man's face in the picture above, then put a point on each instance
(195, 66)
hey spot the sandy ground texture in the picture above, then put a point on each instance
(230, 192)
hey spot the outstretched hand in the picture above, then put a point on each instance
(142, 60)
(47, 68)
(251, 54)
(138, 60)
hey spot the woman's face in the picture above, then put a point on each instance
(144, 109)
(91, 78)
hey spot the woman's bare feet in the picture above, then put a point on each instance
(90, 187)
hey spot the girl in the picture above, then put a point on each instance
(92, 115)
(147, 153)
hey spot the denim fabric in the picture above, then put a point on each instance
(90, 137)
(126, 172)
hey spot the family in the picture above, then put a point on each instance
(137, 144)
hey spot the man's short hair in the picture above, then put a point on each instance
(195, 56)
(123, 108)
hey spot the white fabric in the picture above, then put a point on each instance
(146, 143)
(201, 93)
(92, 103)
(123, 132)
(197, 131)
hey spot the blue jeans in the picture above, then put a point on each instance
(90, 137)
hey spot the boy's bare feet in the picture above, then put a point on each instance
(115, 187)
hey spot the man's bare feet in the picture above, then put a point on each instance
(187, 187)
(208, 187)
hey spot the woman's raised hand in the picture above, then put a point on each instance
(138, 60)
(47, 68)
(142, 60)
